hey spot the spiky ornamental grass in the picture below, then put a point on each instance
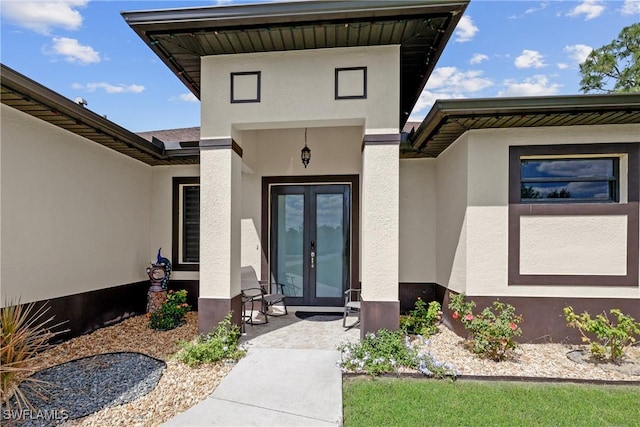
(26, 333)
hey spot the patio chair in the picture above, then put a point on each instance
(351, 304)
(255, 295)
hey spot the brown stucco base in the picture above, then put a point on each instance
(193, 290)
(85, 312)
(377, 315)
(212, 310)
(409, 293)
(543, 320)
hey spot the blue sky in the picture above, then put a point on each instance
(84, 48)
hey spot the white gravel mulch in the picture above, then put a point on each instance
(179, 388)
(529, 360)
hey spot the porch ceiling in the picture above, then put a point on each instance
(32, 98)
(422, 28)
(449, 119)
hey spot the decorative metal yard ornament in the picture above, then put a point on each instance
(159, 274)
(305, 154)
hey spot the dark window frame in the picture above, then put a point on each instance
(177, 226)
(337, 83)
(630, 208)
(258, 75)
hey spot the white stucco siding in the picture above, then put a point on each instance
(251, 225)
(487, 218)
(380, 223)
(298, 87)
(580, 245)
(220, 203)
(451, 205)
(75, 215)
(417, 220)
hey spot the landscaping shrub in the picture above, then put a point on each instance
(613, 338)
(492, 331)
(221, 344)
(423, 319)
(387, 352)
(26, 332)
(171, 313)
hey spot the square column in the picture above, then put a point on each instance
(220, 203)
(380, 233)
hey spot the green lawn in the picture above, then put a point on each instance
(413, 402)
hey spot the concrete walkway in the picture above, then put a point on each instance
(288, 378)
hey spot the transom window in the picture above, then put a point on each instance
(569, 180)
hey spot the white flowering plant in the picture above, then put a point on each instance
(388, 352)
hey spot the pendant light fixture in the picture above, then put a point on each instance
(305, 154)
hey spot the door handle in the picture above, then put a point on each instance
(313, 254)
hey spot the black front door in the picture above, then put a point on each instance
(310, 242)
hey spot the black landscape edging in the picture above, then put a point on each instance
(503, 378)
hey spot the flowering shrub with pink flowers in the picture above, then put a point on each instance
(492, 332)
(171, 313)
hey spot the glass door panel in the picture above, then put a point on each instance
(329, 259)
(290, 243)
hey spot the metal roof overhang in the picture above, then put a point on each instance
(448, 119)
(32, 98)
(422, 28)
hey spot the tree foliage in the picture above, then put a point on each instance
(614, 67)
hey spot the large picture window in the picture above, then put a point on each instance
(569, 180)
(186, 223)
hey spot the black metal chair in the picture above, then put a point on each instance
(351, 304)
(254, 294)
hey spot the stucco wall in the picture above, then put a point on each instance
(298, 86)
(451, 206)
(485, 229)
(580, 245)
(380, 223)
(417, 221)
(75, 215)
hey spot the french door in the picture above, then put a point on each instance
(310, 242)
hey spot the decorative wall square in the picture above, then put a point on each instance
(351, 83)
(245, 87)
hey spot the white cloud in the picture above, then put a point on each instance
(589, 8)
(43, 16)
(72, 51)
(466, 29)
(538, 85)
(578, 52)
(426, 100)
(448, 83)
(452, 80)
(531, 10)
(530, 59)
(563, 66)
(630, 7)
(542, 6)
(185, 97)
(109, 88)
(478, 58)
